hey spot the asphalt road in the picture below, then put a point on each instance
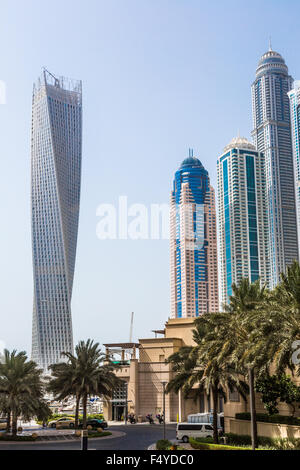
(138, 437)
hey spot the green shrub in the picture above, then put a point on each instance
(207, 446)
(265, 418)
(291, 443)
(9, 437)
(95, 416)
(163, 444)
(99, 434)
(245, 440)
(208, 440)
(263, 441)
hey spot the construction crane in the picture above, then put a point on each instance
(127, 352)
(131, 328)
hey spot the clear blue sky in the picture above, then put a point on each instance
(159, 76)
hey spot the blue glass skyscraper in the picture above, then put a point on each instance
(194, 265)
(272, 136)
(56, 147)
(294, 96)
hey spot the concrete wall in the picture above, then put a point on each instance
(181, 328)
(145, 375)
(242, 427)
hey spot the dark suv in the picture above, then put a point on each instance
(95, 423)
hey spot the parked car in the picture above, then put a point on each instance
(95, 423)
(186, 430)
(62, 423)
(3, 424)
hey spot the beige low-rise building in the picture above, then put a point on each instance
(144, 371)
(143, 368)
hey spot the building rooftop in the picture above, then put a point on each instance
(271, 61)
(271, 56)
(191, 161)
(240, 143)
(122, 345)
(58, 83)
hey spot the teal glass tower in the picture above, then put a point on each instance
(243, 218)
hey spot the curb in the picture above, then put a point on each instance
(114, 435)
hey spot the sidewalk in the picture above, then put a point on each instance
(60, 436)
(174, 441)
(122, 423)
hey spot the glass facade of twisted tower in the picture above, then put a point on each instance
(56, 147)
(193, 242)
(272, 136)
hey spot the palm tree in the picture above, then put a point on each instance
(64, 383)
(21, 388)
(282, 319)
(199, 366)
(243, 338)
(88, 373)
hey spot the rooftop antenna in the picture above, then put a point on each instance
(270, 44)
(191, 153)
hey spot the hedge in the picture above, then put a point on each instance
(265, 418)
(245, 440)
(9, 437)
(99, 434)
(265, 442)
(198, 445)
(163, 444)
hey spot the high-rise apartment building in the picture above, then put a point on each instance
(294, 96)
(272, 136)
(56, 147)
(243, 221)
(194, 264)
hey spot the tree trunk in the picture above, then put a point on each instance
(293, 408)
(253, 410)
(8, 418)
(84, 404)
(14, 423)
(77, 411)
(215, 414)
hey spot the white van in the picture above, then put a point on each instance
(186, 430)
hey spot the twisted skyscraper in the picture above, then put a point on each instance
(56, 147)
(194, 260)
(272, 136)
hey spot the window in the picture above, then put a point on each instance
(208, 427)
(190, 427)
(234, 396)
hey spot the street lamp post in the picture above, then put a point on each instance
(164, 408)
(126, 404)
(84, 439)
